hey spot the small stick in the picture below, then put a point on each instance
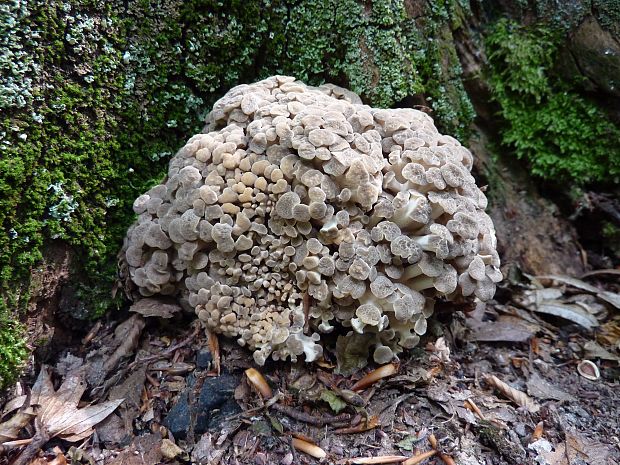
(168, 351)
(38, 440)
(416, 459)
(378, 460)
(474, 408)
(310, 419)
(446, 458)
(17, 442)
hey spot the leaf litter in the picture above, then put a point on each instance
(500, 386)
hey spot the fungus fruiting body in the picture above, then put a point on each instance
(296, 194)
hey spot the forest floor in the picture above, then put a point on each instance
(531, 378)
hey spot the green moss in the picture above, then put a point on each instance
(608, 14)
(563, 135)
(12, 350)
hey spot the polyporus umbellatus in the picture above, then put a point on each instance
(300, 210)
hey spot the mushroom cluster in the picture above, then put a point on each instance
(300, 210)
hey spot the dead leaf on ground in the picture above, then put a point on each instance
(144, 450)
(609, 297)
(156, 307)
(500, 331)
(58, 412)
(518, 397)
(595, 350)
(13, 405)
(576, 449)
(542, 389)
(570, 312)
(127, 333)
(9, 430)
(609, 333)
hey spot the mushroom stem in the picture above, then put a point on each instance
(407, 216)
(436, 211)
(423, 283)
(410, 272)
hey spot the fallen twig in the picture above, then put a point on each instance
(38, 440)
(434, 444)
(311, 419)
(378, 460)
(164, 353)
(415, 460)
(469, 404)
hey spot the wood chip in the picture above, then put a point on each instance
(374, 376)
(518, 397)
(309, 448)
(417, 459)
(258, 381)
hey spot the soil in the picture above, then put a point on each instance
(442, 393)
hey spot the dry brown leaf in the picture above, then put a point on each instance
(514, 330)
(13, 405)
(128, 333)
(542, 389)
(10, 429)
(518, 397)
(571, 312)
(577, 449)
(58, 412)
(595, 350)
(609, 297)
(156, 306)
